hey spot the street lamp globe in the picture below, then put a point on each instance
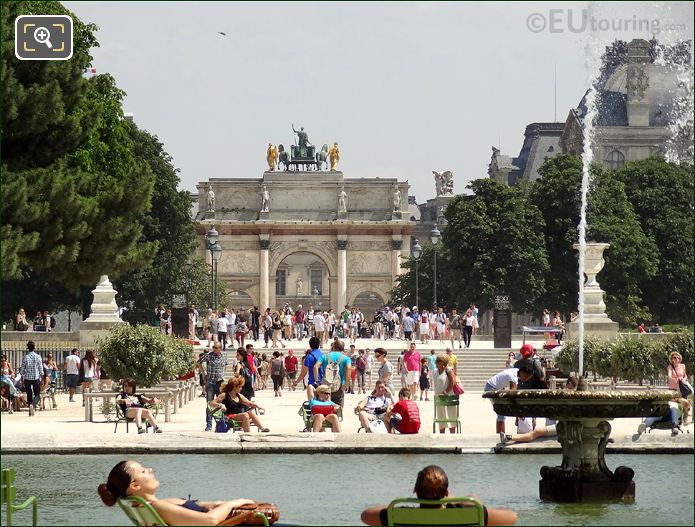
(435, 236)
(216, 250)
(416, 251)
(212, 236)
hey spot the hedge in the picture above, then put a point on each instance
(629, 358)
(143, 353)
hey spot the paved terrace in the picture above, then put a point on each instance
(64, 431)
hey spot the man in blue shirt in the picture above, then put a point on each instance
(344, 369)
(310, 360)
(32, 373)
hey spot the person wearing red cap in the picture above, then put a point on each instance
(527, 356)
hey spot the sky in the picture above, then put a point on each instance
(404, 87)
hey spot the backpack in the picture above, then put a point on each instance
(331, 375)
(53, 322)
(361, 364)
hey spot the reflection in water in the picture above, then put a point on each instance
(66, 485)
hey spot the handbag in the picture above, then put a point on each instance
(685, 388)
(458, 388)
(246, 514)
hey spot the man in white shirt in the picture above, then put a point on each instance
(222, 327)
(506, 379)
(72, 372)
(320, 327)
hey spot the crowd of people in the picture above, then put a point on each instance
(37, 378)
(42, 321)
(276, 327)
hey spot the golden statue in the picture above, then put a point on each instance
(272, 156)
(334, 156)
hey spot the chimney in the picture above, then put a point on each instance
(638, 83)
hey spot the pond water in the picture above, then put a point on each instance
(328, 489)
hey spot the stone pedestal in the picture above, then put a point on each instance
(104, 313)
(583, 433)
(264, 215)
(583, 475)
(596, 321)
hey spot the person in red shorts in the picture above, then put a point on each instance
(404, 416)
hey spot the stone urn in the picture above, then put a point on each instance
(583, 432)
(596, 321)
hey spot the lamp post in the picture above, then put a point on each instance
(435, 236)
(416, 252)
(215, 249)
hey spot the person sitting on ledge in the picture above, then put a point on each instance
(432, 483)
(404, 416)
(236, 406)
(677, 415)
(539, 431)
(130, 478)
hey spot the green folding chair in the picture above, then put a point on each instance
(140, 512)
(8, 494)
(143, 514)
(446, 400)
(449, 511)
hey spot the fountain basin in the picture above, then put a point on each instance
(583, 431)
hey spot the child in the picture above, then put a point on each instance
(424, 378)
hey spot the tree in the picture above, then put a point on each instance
(73, 188)
(404, 291)
(610, 219)
(661, 195)
(167, 223)
(493, 242)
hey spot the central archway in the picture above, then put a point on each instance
(301, 277)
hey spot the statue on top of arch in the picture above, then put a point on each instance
(444, 183)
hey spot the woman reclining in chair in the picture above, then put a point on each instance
(130, 478)
(432, 483)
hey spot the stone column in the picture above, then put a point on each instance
(341, 297)
(396, 246)
(264, 300)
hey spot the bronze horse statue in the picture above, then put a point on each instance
(322, 157)
(283, 157)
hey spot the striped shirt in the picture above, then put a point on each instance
(32, 366)
(216, 364)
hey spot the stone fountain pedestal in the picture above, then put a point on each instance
(596, 321)
(583, 432)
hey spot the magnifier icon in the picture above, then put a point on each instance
(42, 36)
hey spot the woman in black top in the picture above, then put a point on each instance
(238, 407)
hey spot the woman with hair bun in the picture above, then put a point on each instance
(130, 478)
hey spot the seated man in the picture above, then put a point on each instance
(677, 414)
(374, 405)
(404, 416)
(432, 483)
(323, 409)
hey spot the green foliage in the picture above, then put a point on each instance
(597, 356)
(404, 291)
(632, 358)
(631, 258)
(168, 224)
(144, 353)
(661, 195)
(493, 242)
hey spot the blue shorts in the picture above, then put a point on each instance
(72, 380)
